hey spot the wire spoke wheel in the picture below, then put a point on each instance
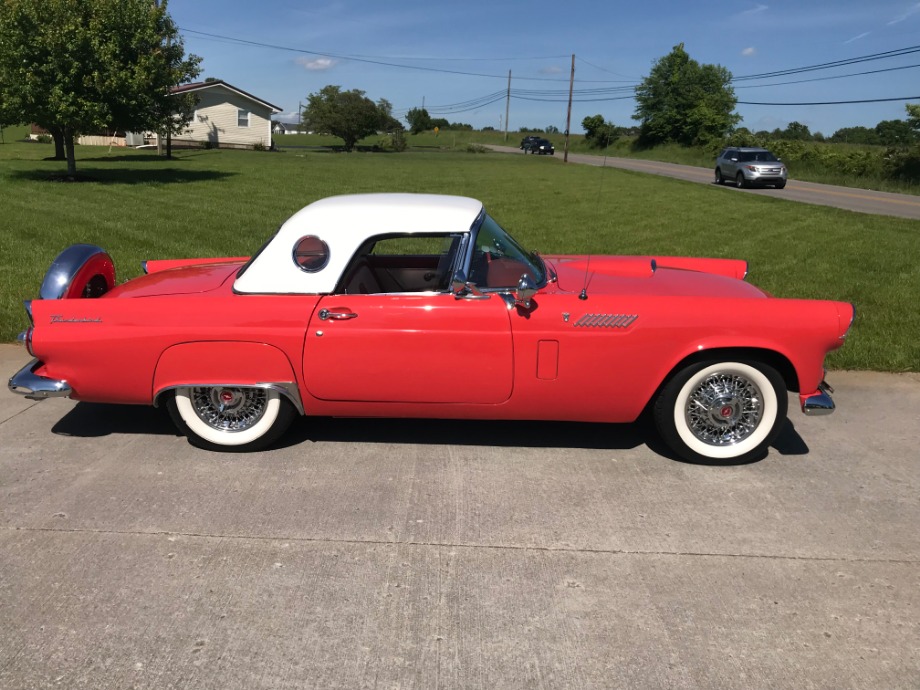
(229, 409)
(230, 417)
(724, 409)
(721, 411)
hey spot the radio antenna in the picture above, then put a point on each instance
(600, 184)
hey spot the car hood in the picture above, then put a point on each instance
(184, 280)
(664, 276)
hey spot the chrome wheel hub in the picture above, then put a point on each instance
(229, 409)
(724, 409)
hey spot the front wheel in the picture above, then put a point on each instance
(780, 185)
(740, 182)
(230, 418)
(722, 411)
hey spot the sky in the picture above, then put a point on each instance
(453, 58)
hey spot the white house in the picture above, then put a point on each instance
(227, 117)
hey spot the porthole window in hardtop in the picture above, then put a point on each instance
(311, 254)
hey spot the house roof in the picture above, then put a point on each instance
(204, 85)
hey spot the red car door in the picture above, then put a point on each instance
(408, 348)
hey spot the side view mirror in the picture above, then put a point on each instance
(523, 294)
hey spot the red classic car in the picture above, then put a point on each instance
(410, 305)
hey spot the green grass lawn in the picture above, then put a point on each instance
(225, 203)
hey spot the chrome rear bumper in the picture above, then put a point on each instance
(26, 382)
(819, 403)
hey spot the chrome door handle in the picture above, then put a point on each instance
(326, 315)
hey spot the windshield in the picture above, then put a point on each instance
(757, 156)
(498, 261)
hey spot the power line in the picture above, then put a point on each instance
(868, 100)
(385, 60)
(590, 95)
(836, 76)
(828, 65)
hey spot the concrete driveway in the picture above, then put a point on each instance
(401, 554)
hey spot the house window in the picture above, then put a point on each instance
(242, 118)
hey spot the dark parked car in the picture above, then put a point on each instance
(539, 146)
(749, 166)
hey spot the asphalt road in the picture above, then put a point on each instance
(848, 198)
(402, 554)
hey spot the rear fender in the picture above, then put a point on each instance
(226, 363)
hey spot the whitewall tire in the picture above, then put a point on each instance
(722, 411)
(229, 417)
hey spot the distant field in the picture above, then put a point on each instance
(224, 203)
(809, 170)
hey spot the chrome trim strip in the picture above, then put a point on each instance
(26, 382)
(288, 389)
(820, 403)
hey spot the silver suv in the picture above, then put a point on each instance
(747, 167)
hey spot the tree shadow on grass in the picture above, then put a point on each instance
(124, 176)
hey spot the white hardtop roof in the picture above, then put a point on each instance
(345, 223)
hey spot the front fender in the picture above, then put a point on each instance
(225, 363)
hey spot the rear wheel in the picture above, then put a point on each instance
(230, 418)
(722, 411)
(719, 178)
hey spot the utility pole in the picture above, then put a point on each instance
(507, 104)
(568, 116)
(156, 4)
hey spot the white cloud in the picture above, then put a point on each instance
(857, 38)
(551, 70)
(913, 10)
(316, 64)
(755, 10)
(748, 52)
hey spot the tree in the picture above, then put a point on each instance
(685, 102)
(599, 133)
(895, 133)
(349, 115)
(796, 131)
(419, 120)
(913, 116)
(855, 135)
(77, 67)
